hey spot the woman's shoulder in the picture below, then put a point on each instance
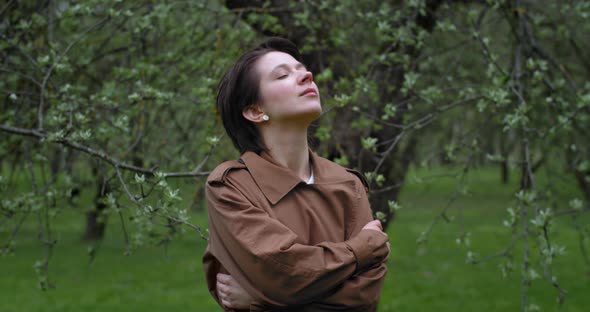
(221, 172)
(336, 171)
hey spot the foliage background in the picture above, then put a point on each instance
(472, 114)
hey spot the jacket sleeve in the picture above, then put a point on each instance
(262, 254)
(363, 289)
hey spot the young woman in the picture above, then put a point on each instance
(288, 230)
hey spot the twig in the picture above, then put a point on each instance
(547, 271)
(27, 56)
(547, 56)
(31, 79)
(519, 31)
(421, 122)
(44, 233)
(389, 150)
(125, 235)
(6, 6)
(135, 201)
(581, 240)
(502, 253)
(197, 169)
(97, 153)
(16, 230)
(452, 199)
(398, 185)
(259, 10)
(50, 70)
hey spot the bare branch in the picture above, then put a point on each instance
(524, 211)
(31, 79)
(25, 54)
(6, 6)
(442, 214)
(546, 55)
(197, 169)
(100, 154)
(125, 235)
(400, 184)
(502, 253)
(15, 231)
(389, 150)
(421, 122)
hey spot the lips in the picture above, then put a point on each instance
(309, 91)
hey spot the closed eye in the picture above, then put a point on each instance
(282, 76)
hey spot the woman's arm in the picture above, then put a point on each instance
(362, 289)
(262, 254)
(355, 291)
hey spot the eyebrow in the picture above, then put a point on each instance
(286, 66)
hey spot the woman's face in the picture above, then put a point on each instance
(287, 90)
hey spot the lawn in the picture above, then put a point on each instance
(422, 277)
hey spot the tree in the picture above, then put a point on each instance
(118, 88)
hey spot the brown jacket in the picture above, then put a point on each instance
(293, 244)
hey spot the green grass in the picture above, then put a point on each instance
(434, 276)
(152, 278)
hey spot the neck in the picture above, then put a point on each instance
(288, 147)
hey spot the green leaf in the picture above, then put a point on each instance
(369, 143)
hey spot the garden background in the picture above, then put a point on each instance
(470, 119)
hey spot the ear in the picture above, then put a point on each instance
(253, 113)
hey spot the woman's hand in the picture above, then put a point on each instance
(231, 294)
(375, 225)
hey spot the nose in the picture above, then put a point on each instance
(306, 77)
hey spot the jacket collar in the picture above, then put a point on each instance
(274, 180)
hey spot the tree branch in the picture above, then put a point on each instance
(102, 155)
(442, 215)
(48, 73)
(140, 205)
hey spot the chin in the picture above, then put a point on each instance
(312, 115)
(314, 112)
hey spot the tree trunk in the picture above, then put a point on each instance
(505, 172)
(504, 168)
(96, 219)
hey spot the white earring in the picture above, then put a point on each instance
(265, 117)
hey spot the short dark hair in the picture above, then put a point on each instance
(239, 89)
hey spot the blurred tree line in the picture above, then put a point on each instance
(118, 97)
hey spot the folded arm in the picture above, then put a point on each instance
(262, 254)
(364, 288)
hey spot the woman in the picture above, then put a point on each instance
(288, 230)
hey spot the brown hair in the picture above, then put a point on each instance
(239, 89)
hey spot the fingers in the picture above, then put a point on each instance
(224, 296)
(227, 305)
(224, 278)
(388, 252)
(224, 290)
(378, 224)
(382, 252)
(221, 291)
(378, 231)
(375, 223)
